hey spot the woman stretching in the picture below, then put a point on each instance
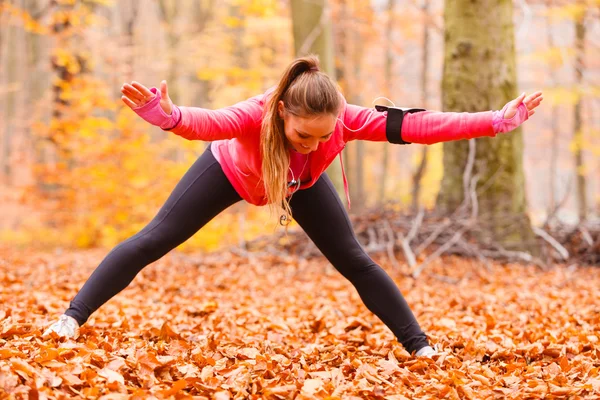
(273, 149)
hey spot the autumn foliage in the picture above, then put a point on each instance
(224, 327)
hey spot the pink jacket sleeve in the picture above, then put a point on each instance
(194, 123)
(425, 127)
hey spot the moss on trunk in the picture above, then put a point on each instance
(479, 75)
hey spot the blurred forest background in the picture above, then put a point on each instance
(79, 168)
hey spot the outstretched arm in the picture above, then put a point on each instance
(428, 127)
(433, 127)
(192, 123)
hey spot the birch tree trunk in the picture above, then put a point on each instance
(10, 98)
(554, 116)
(355, 50)
(389, 62)
(202, 12)
(169, 11)
(420, 172)
(577, 121)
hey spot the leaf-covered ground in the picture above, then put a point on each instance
(219, 326)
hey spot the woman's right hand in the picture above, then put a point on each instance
(153, 105)
(136, 95)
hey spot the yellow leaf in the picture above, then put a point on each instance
(232, 22)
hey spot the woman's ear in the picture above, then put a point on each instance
(280, 108)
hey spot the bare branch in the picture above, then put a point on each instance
(473, 195)
(415, 225)
(523, 26)
(561, 250)
(441, 250)
(468, 172)
(372, 244)
(405, 241)
(585, 234)
(476, 252)
(434, 235)
(316, 31)
(390, 245)
(560, 204)
(447, 279)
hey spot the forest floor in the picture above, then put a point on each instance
(222, 326)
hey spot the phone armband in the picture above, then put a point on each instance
(393, 126)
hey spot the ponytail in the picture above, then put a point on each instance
(305, 91)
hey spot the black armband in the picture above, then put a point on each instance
(393, 126)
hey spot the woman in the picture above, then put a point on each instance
(273, 149)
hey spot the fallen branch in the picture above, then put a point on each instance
(417, 271)
(386, 231)
(561, 250)
(390, 245)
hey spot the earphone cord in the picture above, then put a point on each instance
(294, 181)
(370, 115)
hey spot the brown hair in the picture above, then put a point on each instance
(305, 91)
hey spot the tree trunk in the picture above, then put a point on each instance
(480, 74)
(356, 98)
(343, 74)
(10, 98)
(130, 23)
(313, 32)
(577, 122)
(168, 14)
(311, 24)
(202, 12)
(420, 172)
(389, 62)
(553, 126)
(37, 84)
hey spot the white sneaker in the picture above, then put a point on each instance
(426, 351)
(65, 326)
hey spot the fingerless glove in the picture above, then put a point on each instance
(502, 125)
(153, 113)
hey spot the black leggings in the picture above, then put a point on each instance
(204, 192)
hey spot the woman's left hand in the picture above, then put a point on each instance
(531, 102)
(515, 112)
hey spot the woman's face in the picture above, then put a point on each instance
(305, 134)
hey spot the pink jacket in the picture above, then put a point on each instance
(235, 133)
